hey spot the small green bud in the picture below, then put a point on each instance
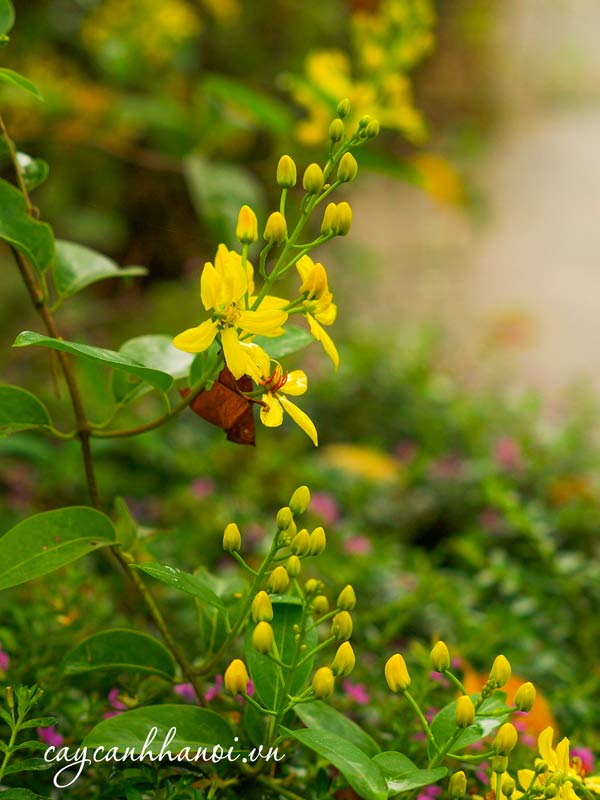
(336, 130)
(286, 172)
(275, 229)
(372, 129)
(232, 538)
(550, 790)
(540, 766)
(508, 786)
(313, 179)
(499, 764)
(284, 518)
(343, 108)
(364, 121)
(347, 168)
(300, 500)
(457, 785)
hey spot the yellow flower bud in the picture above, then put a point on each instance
(293, 566)
(323, 683)
(284, 518)
(301, 543)
(262, 609)
(343, 108)
(540, 766)
(300, 500)
(313, 179)
(550, 791)
(262, 637)
(457, 786)
(364, 121)
(286, 172)
(236, 677)
(465, 711)
(372, 129)
(275, 229)
(396, 673)
(506, 739)
(525, 697)
(508, 786)
(278, 581)
(315, 283)
(347, 168)
(329, 224)
(341, 626)
(343, 220)
(499, 764)
(344, 660)
(317, 541)
(232, 538)
(336, 130)
(439, 657)
(247, 226)
(347, 598)
(312, 585)
(320, 604)
(501, 671)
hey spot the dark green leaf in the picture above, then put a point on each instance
(43, 543)
(27, 765)
(40, 722)
(110, 358)
(21, 410)
(156, 352)
(120, 649)
(363, 774)
(7, 16)
(261, 108)
(78, 266)
(323, 717)
(196, 585)
(12, 77)
(21, 794)
(125, 524)
(293, 339)
(443, 724)
(196, 727)
(402, 775)
(32, 238)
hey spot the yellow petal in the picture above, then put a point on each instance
(562, 755)
(326, 314)
(271, 414)
(220, 259)
(296, 383)
(304, 266)
(323, 337)
(195, 340)
(525, 777)
(259, 358)
(235, 357)
(300, 418)
(210, 286)
(267, 322)
(270, 302)
(545, 747)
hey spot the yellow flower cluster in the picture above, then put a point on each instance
(239, 311)
(385, 46)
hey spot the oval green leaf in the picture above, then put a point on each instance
(7, 16)
(123, 650)
(196, 585)
(77, 267)
(443, 724)
(156, 352)
(21, 410)
(362, 773)
(320, 716)
(32, 238)
(291, 341)
(43, 543)
(14, 78)
(196, 727)
(160, 380)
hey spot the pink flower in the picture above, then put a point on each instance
(4, 660)
(406, 451)
(50, 736)
(585, 756)
(429, 793)
(430, 713)
(186, 692)
(202, 488)
(482, 772)
(439, 678)
(419, 736)
(115, 703)
(214, 690)
(357, 691)
(507, 453)
(325, 506)
(357, 545)
(446, 468)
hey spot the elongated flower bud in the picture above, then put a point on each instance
(439, 657)
(336, 130)
(323, 683)
(275, 229)
(396, 673)
(344, 660)
(457, 786)
(465, 711)
(278, 581)
(341, 626)
(317, 541)
(286, 172)
(506, 739)
(343, 108)
(508, 786)
(347, 168)
(284, 518)
(262, 637)
(293, 566)
(320, 604)
(525, 697)
(246, 230)
(312, 586)
(499, 764)
(372, 129)
(501, 671)
(300, 500)
(262, 609)
(347, 598)
(329, 224)
(313, 179)
(236, 677)
(232, 538)
(343, 218)
(301, 543)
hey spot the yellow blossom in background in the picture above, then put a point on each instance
(363, 462)
(439, 178)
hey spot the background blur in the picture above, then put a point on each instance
(459, 433)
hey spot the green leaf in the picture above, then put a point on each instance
(32, 238)
(196, 585)
(319, 715)
(14, 78)
(7, 16)
(389, 165)
(21, 794)
(402, 775)
(287, 612)
(39, 722)
(443, 724)
(196, 727)
(160, 380)
(218, 190)
(363, 774)
(156, 352)
(35, 170)
(27, 765)
(44, 542)
(293, 339)
(78, 266)
(125, 524)
(261, 108)
(120, 649)
(21, 410)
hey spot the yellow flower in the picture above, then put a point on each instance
(560, 769)
(226, 288)
(318, 305)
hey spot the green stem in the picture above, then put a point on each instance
(7, 755)
(424, 724)
(453, 679)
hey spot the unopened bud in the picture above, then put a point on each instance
(508, 786)
(465, 711)
(506, 739)
(439, 657)
(232, 538)
(347, 598)
(525, 697)
(343, 108)
(293, 566)
(499, 764)
(364, 121)
(278, 581)
(262, 637)
(343, 218)
(300, 544)
(313, 179)
(300, 500)
(341, 626)
(396, 673)
(540, 766)
(550, 790)
(457, 786)
(323, 683)
(10, 697)
(262, 609)
(247, 226)
(347, 168)
(236, 677)
(344, 660)
(284, 518)
(336, 130)
(312, 586)
(501, 671)
(372, 129)
(320, 604)
(329, 224)
(286, 172)
(317, 541)
(275, 229)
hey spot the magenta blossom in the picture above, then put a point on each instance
(202, 488)
(507, 453)
(50, 736)
(439, 678)
(325, 506)
(429, 793)
(4, 660)
(214, 690)
(357, 545)
(585, 756)
(186, 692)
(357, 691)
